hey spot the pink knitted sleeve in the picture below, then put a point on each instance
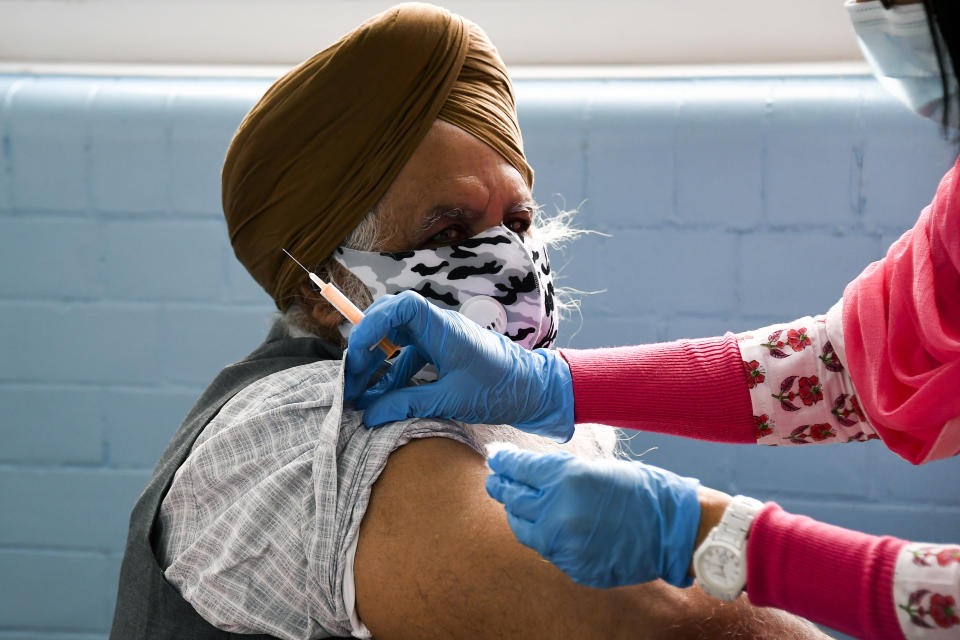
(691, 388)
(833, 576)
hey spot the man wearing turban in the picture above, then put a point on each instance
(273, 511)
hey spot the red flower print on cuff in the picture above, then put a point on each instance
(942, 609)
(786, 396)
(761, 426)
(821, 431)
(809, 391)
(859, 436)
(847, 414)
(948, 555)
(754, 373)
(775, 345)
(829, 358)
(798, 339)
(855, 405)
(944, 555)
(818, 433)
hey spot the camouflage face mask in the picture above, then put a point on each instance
(498, 279)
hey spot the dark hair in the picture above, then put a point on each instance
(943, 18)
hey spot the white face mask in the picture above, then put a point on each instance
(897, 44)
(497, 278)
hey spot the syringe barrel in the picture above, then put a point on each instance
(354, 315)
(342, 303)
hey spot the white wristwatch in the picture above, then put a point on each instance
(720, 562)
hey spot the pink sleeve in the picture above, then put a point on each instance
(833, 576)
(901, 326)
(691, 388)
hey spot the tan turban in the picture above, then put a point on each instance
(326, 141)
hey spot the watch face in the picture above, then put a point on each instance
(719, 566)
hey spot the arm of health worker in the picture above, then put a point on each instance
(883, 363)
(610, 523)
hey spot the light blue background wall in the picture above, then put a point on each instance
(730, 204)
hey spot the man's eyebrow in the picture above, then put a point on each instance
(458, 213)
(446, 211)
(526, 204)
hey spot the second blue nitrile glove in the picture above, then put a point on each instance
(605, 523)
(484, 377)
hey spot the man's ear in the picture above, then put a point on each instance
(320, 310)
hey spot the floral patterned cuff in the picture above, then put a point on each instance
(926, 589)
(800, 391)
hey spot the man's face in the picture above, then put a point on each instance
(453, 187)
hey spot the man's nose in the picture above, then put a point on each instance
(493, 216)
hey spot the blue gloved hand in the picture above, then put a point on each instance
(605, 523)
(484, 377)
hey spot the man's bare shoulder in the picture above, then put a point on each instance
(436, 558)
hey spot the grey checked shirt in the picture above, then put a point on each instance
(259, 528)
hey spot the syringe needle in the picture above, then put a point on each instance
(345, 306)
(295, 260)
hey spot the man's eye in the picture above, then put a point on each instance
(517, 225)
(447, 236)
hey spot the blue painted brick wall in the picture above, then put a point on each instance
(728, 203)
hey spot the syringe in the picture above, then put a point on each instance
(343, 304)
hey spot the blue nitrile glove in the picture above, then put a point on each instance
(484, 377)
(605, 523)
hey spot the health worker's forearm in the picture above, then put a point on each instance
(784, 385)
(690, 388)
(833, 576)
(864, 585)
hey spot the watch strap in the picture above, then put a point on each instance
(734, 526)
(732, 531)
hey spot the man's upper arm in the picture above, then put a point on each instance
(437, 559)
